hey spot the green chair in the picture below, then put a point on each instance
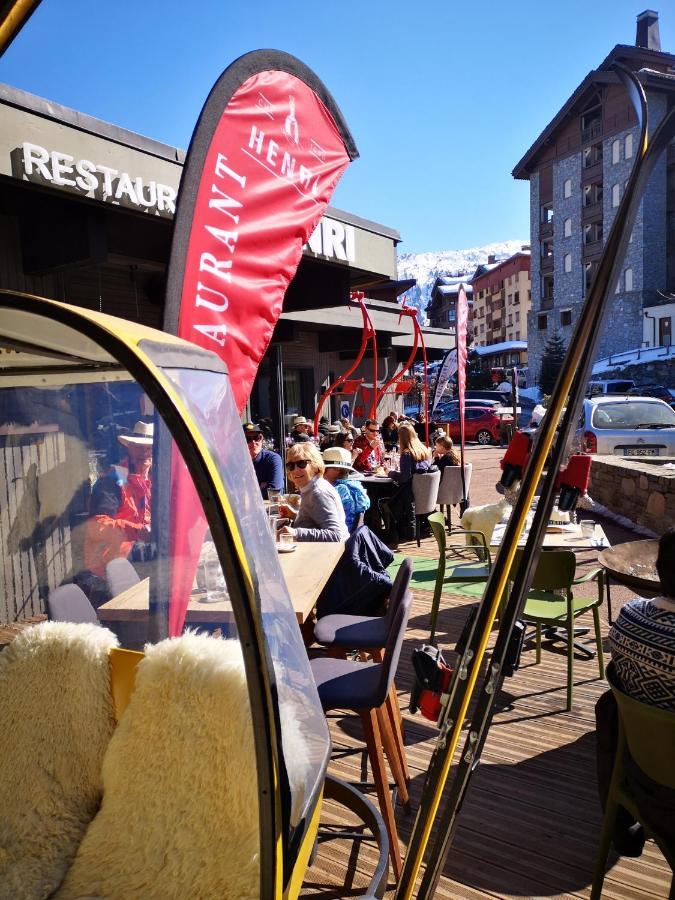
(551, 603)
(649, 735)
(471, 564)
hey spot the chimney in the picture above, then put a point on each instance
(492, 258)
(647, 32)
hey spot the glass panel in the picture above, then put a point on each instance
(306, 743)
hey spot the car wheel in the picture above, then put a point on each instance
(484, 437)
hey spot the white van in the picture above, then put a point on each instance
(617, 386)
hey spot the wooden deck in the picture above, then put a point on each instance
(530, 824)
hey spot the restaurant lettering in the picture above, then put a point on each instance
(96, 180)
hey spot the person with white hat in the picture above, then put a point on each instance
(338, 463)
(120, 502)
(300, 426)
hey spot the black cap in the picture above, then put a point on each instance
(301, 439)
(252, 428)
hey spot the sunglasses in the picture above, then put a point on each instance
(253, 438)
(300, 463)
(373, 430)
(349, 440)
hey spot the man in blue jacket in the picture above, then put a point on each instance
(269, 468)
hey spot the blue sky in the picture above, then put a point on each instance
(443, 98)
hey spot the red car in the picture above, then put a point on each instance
(481, 424)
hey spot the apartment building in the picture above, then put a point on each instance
(577, 169)
(442, 307)
(501, 299)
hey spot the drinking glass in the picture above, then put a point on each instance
(587, 528)
(286, 540)
(273, 495)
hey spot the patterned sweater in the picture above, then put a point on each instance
(642, 643)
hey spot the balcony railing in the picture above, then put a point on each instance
(546, 229)
(547, 302)
(547, 262)
(594, 130)
(591, 210)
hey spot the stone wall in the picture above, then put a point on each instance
(642, 492)
(660, 371)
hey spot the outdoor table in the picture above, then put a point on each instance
(306, 571)
(570, 538)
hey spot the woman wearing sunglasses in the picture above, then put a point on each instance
(321, 516)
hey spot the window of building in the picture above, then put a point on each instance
(592, 155)
(628, 146)
(589, 275)
(616, 151)
(547, 213)
(542, 322)
(567, 228)
(628, 279)
(452, 314)
(517, 335)
(593, 233)
(547, 287)
(568, 262)
(565, 316)
(517, 315)
(567, 188)
(616, 194)
(516, 298)
(510, 322)
(591, 119)
(617, 289)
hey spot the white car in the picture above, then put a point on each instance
(627, 426)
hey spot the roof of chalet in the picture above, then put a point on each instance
(484, 268)
(601, 75)
(500, 348)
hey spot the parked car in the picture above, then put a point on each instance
(627, 426)
(612, 386)
(503, 398)
(481, 424)
(445, 407)
(654, 390)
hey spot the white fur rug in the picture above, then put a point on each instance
(56, 719)
(179, 817)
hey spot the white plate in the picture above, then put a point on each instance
(286, 548)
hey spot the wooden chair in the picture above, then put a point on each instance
(648, 734)
(364, 688)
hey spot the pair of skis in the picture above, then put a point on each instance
(567, 397)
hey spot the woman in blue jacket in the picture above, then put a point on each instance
(338, 463)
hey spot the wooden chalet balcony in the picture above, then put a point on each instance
(593, 131)
(547, 302)
(592, 211)
(592, 171)
(547, 262)
(545, 229)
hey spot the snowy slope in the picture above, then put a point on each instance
(426, 267)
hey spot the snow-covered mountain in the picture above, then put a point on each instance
(426, 267)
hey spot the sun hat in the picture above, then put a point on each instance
(141, 435)
(252, 428)
(300, 420)
(337, 458)
(332, 429)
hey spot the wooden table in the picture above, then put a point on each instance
(569, 539)
(306, 571)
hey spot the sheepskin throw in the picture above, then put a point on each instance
(56, 719)
(179, 816)
(484, 518)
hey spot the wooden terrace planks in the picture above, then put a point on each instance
(529, 827)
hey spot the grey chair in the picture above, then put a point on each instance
(450, 488)
(364, 688)
(69, 603)
(425, 492)
(120, 575)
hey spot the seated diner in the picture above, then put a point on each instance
(337, 461)
(321, 516)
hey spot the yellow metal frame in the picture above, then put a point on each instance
(121, 339)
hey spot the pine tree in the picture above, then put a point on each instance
(551, 362)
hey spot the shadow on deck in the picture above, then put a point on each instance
(530, 823)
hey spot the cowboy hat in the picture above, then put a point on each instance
(141, 435)
(337, 458)
(300, 420)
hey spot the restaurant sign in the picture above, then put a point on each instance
(95, 180)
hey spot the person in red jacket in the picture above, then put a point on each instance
(370, 447)
(120, 504)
